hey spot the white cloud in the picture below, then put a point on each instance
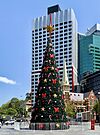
(6, 80)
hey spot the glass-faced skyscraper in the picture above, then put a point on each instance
(64, 40)
(89, 51)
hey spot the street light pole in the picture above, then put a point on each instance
(99, 106)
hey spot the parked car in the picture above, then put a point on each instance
(9, 122)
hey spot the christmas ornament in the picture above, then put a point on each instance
(56, 109)
(62, 108)
(51, 55)
(56, 69)
(55, 95)
(46, 61)
(50, 44)
(55, 101)
(36, 116)
(41, 126)
(58, 88)
(57, 125)
(49, 101)
(49, 50)
(54, 81)
(50, 117)
(36, 109)
(59, 95)
(56, 116)
(36, 96)
(52, 68)
(63, 96)
(42, 101)
(49, 88)
(40, 88)
(52, 62)
(44, 95)
(49, 74)
(45, 80)
(46, 68)
(33, 110)
(62, 117)
(42, 108)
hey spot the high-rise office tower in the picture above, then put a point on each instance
(89, 51)
(64, 40)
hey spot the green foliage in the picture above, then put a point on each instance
(11, 112)
(13, 108)
(28, 96)
(69, 108)
(96, 107)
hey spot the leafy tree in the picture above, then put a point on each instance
(14, 107)
(70, 109)
(14, 103)
(2, 112)
(5, 106)
(11, 112)
(28, 96)
(96, 107)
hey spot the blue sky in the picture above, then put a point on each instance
(15, 38)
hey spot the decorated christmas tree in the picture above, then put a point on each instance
(49, 109)
(49, 106)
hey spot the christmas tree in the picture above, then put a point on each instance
(49, 104)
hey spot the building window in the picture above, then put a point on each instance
(61, 23)
(65, 22)
(56, 24)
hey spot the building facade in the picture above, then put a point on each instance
(89, 51)
(64, 39)
(91, 82)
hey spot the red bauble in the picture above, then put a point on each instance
(36, 109)
(44, 95)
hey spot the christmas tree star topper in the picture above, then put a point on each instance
(49, 27)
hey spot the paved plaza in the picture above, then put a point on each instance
(82, 129)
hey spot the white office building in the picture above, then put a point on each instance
(64, 40)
